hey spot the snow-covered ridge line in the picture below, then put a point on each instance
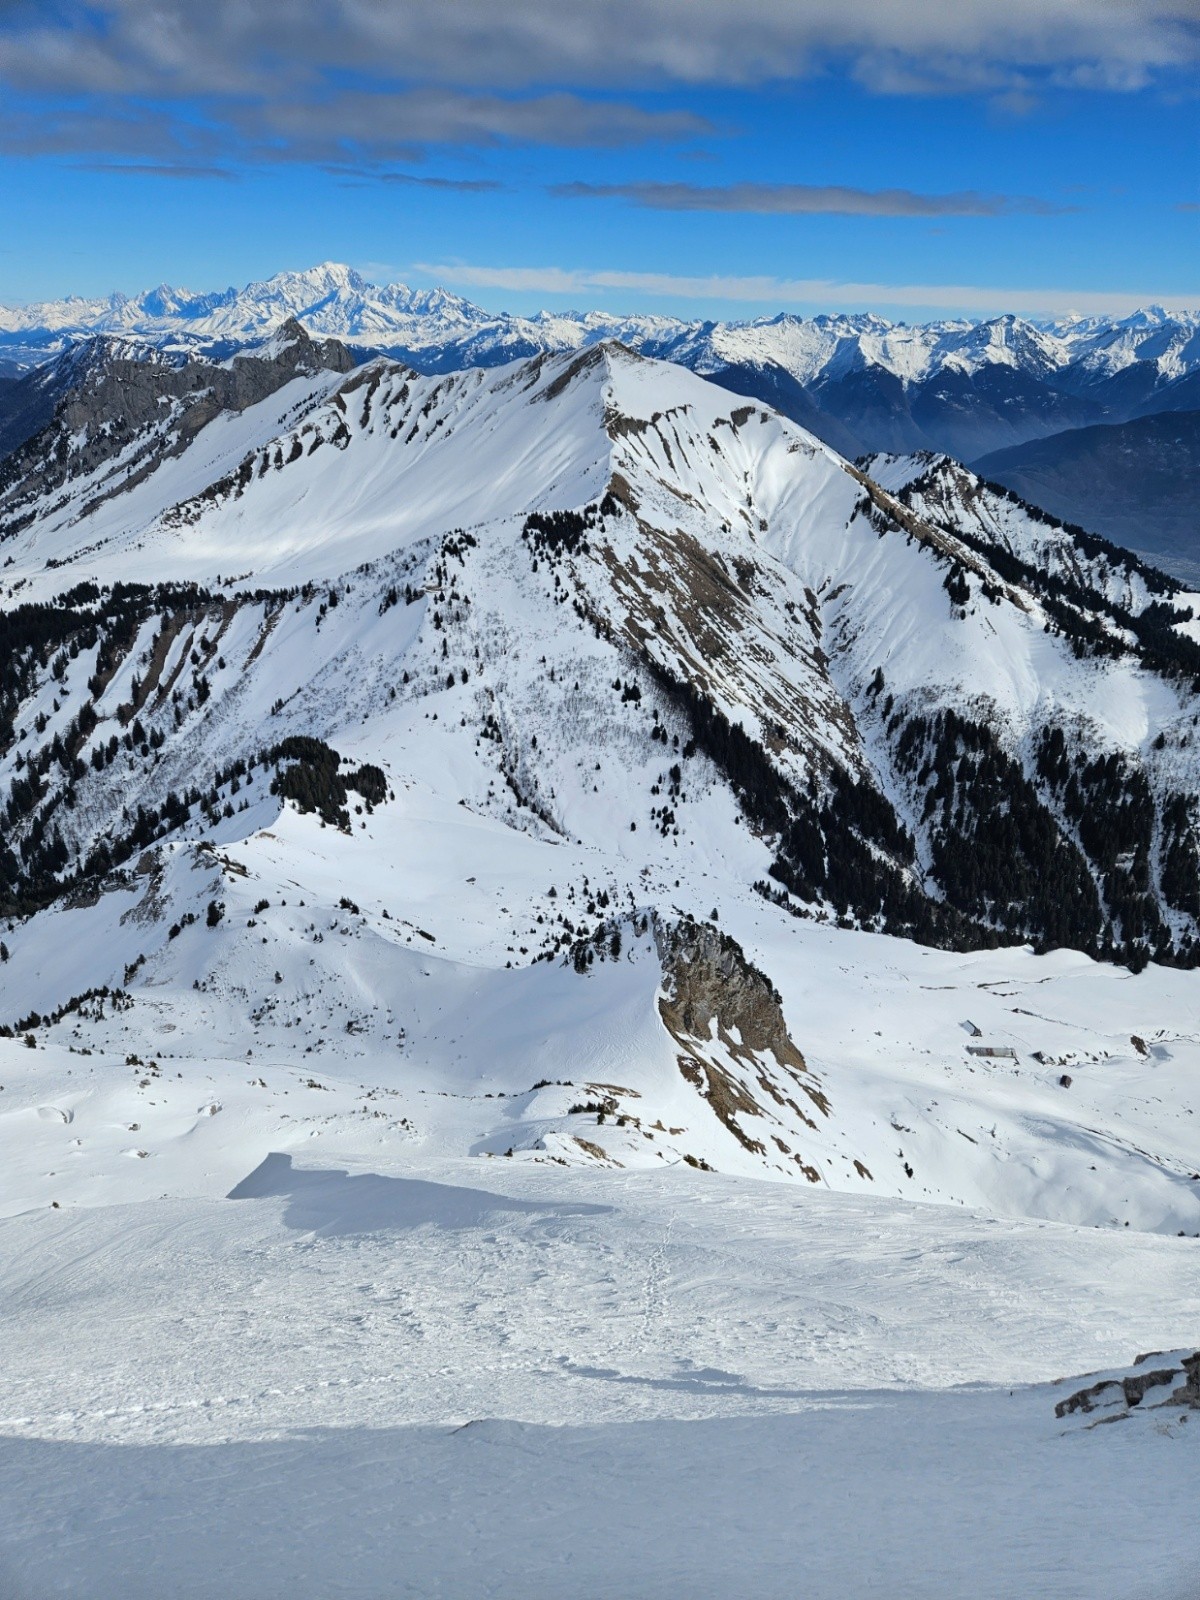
(335, 301)
(875, 673)
(862, 384)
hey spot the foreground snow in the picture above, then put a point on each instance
(406, 1379)
(543, 1383)
(911, 1497)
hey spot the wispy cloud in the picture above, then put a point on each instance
(804, 199)
(149, 169)
(366, 176)
(379, 125)
(357, 128)
(124, 133)
(324, 77)
(822, 293)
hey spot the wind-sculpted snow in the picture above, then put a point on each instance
(531, 1383)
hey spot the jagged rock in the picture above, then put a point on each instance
(1085, 1399)
(1135, 1387)
(707, 977)
(1131, 1389)
(727, 1018)
(1188, 1394)
(111, 395)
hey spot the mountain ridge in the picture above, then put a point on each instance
(968, 388)
(343, 303)
(832, 637)
(563, 763)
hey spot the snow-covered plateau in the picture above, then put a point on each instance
(594, 1001)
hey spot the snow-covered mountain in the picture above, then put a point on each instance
(429, 327)
(963, 386)
(977, 391)
(543, 892)
(335, 301)
(582, 611)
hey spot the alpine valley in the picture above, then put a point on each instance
(598, 981)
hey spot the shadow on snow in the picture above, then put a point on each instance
(336, 1203)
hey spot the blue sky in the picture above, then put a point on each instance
(690, 156)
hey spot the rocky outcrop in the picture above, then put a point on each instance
(708, 978)
(727, 1019)
(1117, 1396)
(1188, 1394)
(117, 400)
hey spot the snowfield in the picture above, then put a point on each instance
(454, 1164)
(421, 1379)
(283, 1318)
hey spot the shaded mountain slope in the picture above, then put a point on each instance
(1134, 482)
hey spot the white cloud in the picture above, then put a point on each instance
(377, 73)
(237, 46)
(824, 293)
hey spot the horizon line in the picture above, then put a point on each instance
(835, 297)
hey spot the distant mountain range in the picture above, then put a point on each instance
(1005, 395)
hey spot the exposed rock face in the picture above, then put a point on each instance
(1189, 1393)
(142, 405)
(708, 978)
(1119, 1395)
(735, 1048)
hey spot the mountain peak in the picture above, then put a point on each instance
(338, 272)
(291, 345)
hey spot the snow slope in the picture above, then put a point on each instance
(401, 1379)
